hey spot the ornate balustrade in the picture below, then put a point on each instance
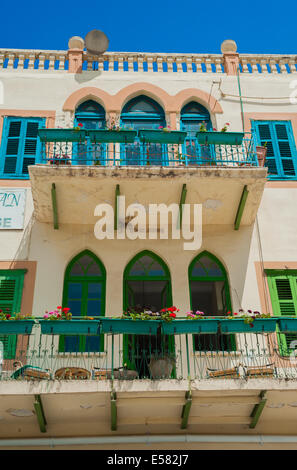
(22, 59)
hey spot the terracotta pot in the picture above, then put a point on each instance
(161, 368)
(261, 155)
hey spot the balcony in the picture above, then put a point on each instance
(221, 349)
(82, 170)
(238, 381)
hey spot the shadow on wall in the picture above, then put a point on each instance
(23, 250)
(234, 252)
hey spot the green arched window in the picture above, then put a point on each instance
(209, 293)
(147, 284)
(84, 294)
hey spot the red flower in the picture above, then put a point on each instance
(235, 313)
(66, 310)
(163, 310)
(172, 315)
(80, 124)
(7, 316)
(59, 307)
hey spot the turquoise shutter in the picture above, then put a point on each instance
(11, 289)
(20, 146)
(281, 157)
(286, 148)
(31, 145)
(11, 144)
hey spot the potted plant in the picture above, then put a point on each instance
(76, 134)
(221, 137)
(199, 323)
(261, 154)
(138, 320)
(63, 160)
(162, 135)
(60, 321)
(16, 323)
(248, 322)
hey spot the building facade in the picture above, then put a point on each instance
(225, 390)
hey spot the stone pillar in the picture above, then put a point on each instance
(230, 56)
(75, 54)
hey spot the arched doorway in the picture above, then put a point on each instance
(192, 116)
(84, 294)
(147, 285)
(209, 293)
(143, 112)
(92, 116)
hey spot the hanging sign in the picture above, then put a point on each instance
(12, 208)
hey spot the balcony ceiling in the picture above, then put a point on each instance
(79, 189)
(218, 407)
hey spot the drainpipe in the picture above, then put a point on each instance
(113, 440)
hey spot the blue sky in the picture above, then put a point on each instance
(153, 25)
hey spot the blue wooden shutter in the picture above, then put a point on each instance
(12, 137)
(281, 157)
(20, 146)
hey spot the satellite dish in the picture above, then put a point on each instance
(96, 42)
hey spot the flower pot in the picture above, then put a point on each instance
(127, 325)
(61, 135)
(178, 327)
(16, 327)
(60, 161)
(104, 136)
(287, 324)
(158, 136)
(70, 327)
(260, 325)
(161, 367)
(261, 155)
(220, 138)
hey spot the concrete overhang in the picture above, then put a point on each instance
(79, 189)
(82, 408)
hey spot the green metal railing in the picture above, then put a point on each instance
(130, 356)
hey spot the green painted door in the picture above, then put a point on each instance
(147, 285)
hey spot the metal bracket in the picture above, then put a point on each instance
(113, 410)
(186, 410)
(40, 413)
(241, 207)
(55, 208)
(117, 193)
(181, 202)
(257, 411)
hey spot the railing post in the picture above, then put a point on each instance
(230, 57)
(75, 54)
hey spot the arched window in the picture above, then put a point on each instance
(92, 116)
(192, 116)
(143, 113)
(84, 294)
(147, 285)
(209, 293)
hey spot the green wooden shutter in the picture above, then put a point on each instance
(11, 288)
(283, 292)
(281, 157)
